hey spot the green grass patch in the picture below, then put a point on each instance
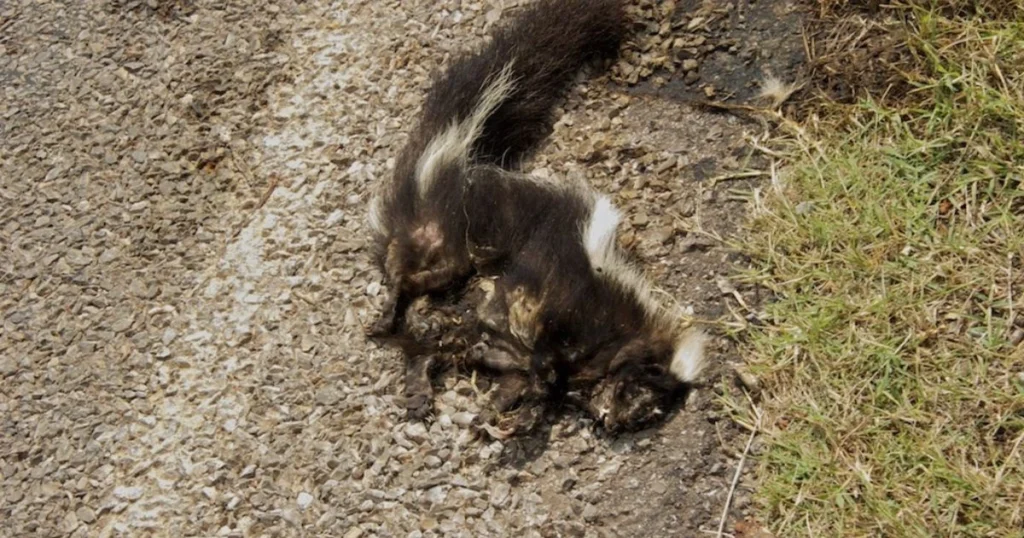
(891, 354)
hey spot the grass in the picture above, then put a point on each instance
(894, 245)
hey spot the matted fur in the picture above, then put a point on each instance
(491, 106)
(600, 233)
(574, 301)
(610, 264)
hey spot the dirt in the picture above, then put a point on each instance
(727, 49)
(185, 278)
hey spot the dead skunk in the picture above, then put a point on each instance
(560, 308)
(507, 214)
(493, 106)
(569, 307)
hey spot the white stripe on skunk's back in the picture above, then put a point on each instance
(599, 239)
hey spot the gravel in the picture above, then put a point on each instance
(184, 282)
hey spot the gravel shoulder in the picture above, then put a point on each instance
(184, 278)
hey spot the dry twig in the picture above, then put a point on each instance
(739, 468)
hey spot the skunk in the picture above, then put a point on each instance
(568, 313)
(493, 107)
(569, 307)
(561, 309)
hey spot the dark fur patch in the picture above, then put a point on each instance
(547, 44)
(549, 41)
(557, 325)
(582, 330)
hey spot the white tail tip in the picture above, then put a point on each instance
(689, 360)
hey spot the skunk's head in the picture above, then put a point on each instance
(645, 380)
(628, 406)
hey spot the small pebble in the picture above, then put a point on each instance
(128, 493)
(428, 523)
(499, 494)
(748, 381)
(86, 514)
(463, 418)
(334, 218)
(168, 336)
(417, 432)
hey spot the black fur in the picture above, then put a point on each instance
(557, 325)
(576, 327)
(420, 242)
(549, 41)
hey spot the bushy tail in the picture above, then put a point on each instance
(541, 49)
(494, 106)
